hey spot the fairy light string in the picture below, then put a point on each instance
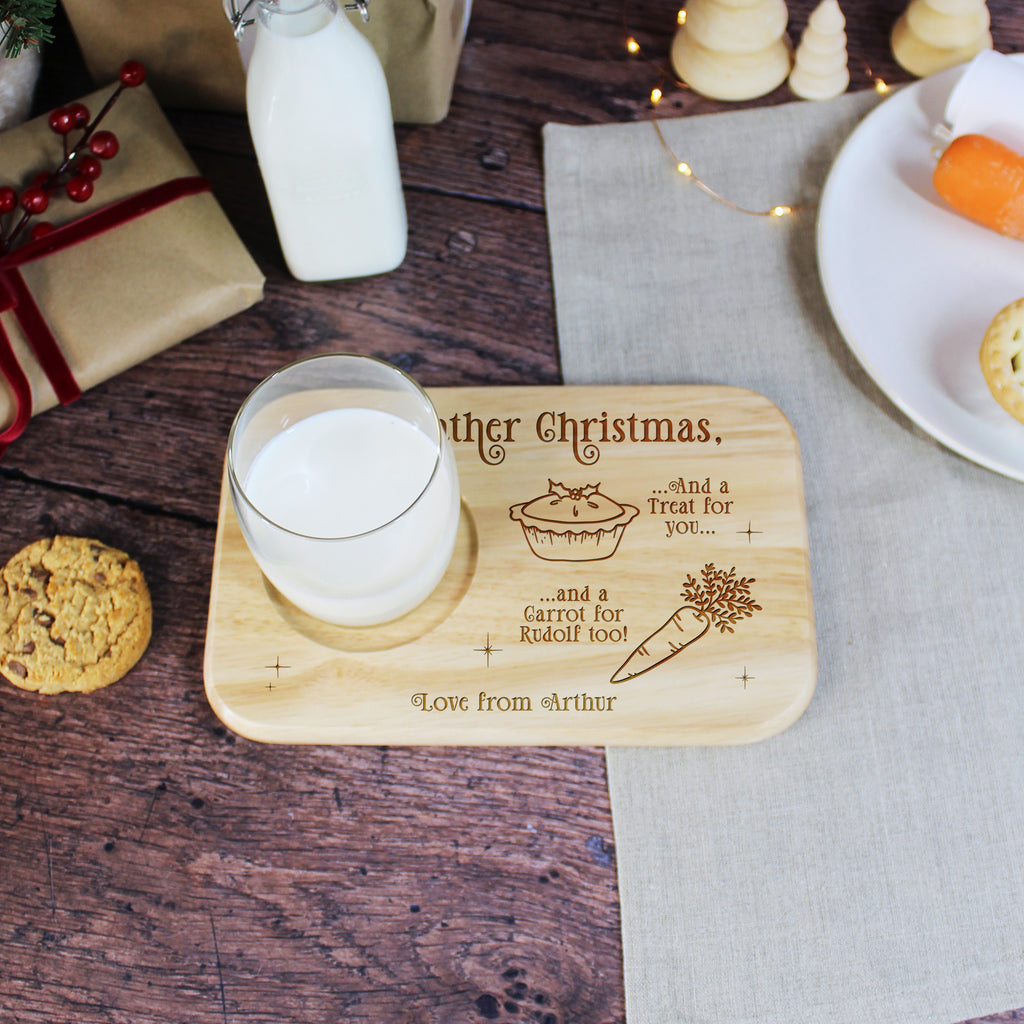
(686, 171)
(683, 168)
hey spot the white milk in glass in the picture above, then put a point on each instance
(320, 119)
(385, 491)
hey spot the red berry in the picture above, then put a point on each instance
(132, 73)
(104, 145)
(88, 167)
(79, 114)
(79, 189)
(34, 200)
(8, 199)
(40, 229)
(61, 121)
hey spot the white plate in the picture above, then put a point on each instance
(913, 285)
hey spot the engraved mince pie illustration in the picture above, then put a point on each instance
(573, 524)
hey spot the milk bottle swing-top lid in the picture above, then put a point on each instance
(237, 10)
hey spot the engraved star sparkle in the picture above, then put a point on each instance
(746, 677)
(277, 666)
(749, 532)
(487, 650)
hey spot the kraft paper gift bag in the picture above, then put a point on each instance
(193, 60)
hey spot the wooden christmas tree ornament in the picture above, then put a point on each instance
(932, 35)
(733, 49)
(820, 68)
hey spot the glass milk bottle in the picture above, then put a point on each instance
(320, 119)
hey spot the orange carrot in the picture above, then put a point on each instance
(984, 180)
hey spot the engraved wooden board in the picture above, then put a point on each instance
(698, 603)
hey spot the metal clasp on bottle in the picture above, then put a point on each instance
(239, 22)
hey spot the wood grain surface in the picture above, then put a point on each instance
(520, 641)
(155, 867)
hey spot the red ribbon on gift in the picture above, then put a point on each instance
(15, 296)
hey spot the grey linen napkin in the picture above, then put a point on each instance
(866, 864)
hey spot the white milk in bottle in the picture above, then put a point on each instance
(320, 119)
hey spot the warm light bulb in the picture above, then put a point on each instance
(781, 211)
(881, 87)
(655, 96)
(684, 170)
(632, 45)
(681, 17)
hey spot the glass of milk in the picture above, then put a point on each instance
(345, 488)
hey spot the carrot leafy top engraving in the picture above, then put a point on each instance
(720, 597)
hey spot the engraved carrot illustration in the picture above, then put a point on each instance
(718, 598)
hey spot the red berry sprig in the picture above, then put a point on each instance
(81, 165)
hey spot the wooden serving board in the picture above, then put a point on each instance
(521, 642)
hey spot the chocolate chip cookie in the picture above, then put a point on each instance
(75, 615)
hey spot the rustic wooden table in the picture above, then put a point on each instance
(154, 866)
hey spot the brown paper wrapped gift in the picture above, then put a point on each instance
(192, 58)
(112, 300)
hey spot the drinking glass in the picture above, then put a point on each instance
(345, 487)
